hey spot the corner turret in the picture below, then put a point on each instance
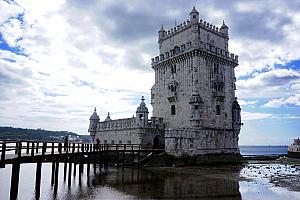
(194, 15)
(161, 33)
(94, 119)
(108, 117)
(236, 115)
(142, 114)
(224, 29)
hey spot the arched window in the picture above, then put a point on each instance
(141, 116)
(173, 110)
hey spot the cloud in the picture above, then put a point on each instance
(245, 102)
(269, 84)
(292, 100)
(249, 116)
(81, 54)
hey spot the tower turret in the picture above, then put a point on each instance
(161, 33)
(224, 29)
(236, 115)
(94, 119)
(194, 15)
(142, 114)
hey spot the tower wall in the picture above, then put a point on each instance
(194, 62)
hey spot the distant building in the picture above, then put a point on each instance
(194, 105)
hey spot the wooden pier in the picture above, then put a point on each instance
(101, 155)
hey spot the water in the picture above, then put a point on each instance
(252, 181)
(263, 150)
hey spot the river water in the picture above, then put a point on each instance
(269, 181)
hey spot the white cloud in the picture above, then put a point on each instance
(271, 84)
(295, 100)
(248, 116)
(96, 53)
(245, 102)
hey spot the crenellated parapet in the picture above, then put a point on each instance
(204, 47)
(187, 24)
(116, 124)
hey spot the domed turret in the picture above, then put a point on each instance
(161, 33)
(142, 114)
(224, 29)
(94, 119)
(236, 115)
(194, 15)
(108, 117)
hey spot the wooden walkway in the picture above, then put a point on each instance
(101, 155)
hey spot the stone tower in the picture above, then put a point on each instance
(142, 114)
(194, 90)
(94, 119)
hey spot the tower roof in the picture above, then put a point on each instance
(224, 25)
(194, 11)
(108, 117)
(94, 116)
(142, 107)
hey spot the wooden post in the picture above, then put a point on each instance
(73, 149)
(38, 179)
(132, 155)
(59, 148)
(74, 171)
(53, 171)
(32, 150)
(37, 147)
(27, 149)
(19, 150)
(88, 167)
(124, 157)
(16, 149)
(3, 153)
(118, 156)
(70, 172)
(56, 176)
(14, 183)
(44, 149)
(138, 158)
(52, 149)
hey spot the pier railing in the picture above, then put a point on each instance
(72, 153)
(26, 151)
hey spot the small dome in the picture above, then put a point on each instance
(94, 116)
(224, 26)
(196, 98)
(142, 108)
(108, 117)
(194, 11)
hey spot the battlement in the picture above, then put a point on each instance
(187, 24)
(205, 47)
(116, 124)
(128, 123)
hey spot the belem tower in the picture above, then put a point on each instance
(195, 111)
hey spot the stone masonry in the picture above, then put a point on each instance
(194, 90)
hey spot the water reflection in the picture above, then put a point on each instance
(117, 184)
(145, 183)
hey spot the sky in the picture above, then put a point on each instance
(60, 59)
